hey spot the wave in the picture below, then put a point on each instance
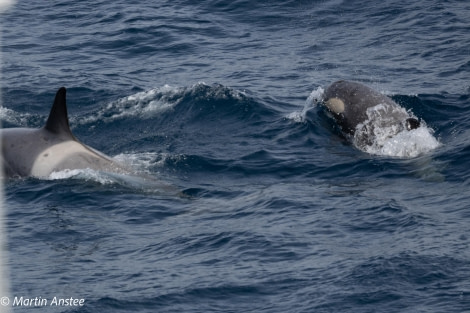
(199, 98)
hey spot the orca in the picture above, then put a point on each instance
(28, 152)
(350, 104)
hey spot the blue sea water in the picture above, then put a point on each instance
(278, 212)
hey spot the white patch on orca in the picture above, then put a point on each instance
(55, 156)
(335, 105)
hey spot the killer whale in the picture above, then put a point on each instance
(52, 148)
(349, 102)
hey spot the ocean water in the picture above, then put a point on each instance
(277, 211)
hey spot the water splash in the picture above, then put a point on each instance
(143, 161)
(408, 143)
(137, 182)
(384, 133)
(312, 101)
(12, 117)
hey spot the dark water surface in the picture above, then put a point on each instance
(218, 98)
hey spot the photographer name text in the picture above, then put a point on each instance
(41, 302)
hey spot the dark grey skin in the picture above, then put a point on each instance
(39, 152)
(348, 102)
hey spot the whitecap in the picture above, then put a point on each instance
(144, 104)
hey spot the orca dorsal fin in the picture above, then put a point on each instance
(58, 121)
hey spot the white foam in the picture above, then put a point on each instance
(384, 133)
(5, 113)
(143, 161)
(296, 116)
(85, 174)
(14, 117)
(312, 101)
(137, 181)
(409, 143)
(217, 91)
(148, 104)
(145, 104)
(314, 97)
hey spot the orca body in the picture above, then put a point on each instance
(350, 104)
(40, 152)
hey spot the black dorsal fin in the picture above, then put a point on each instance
(58, 121)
